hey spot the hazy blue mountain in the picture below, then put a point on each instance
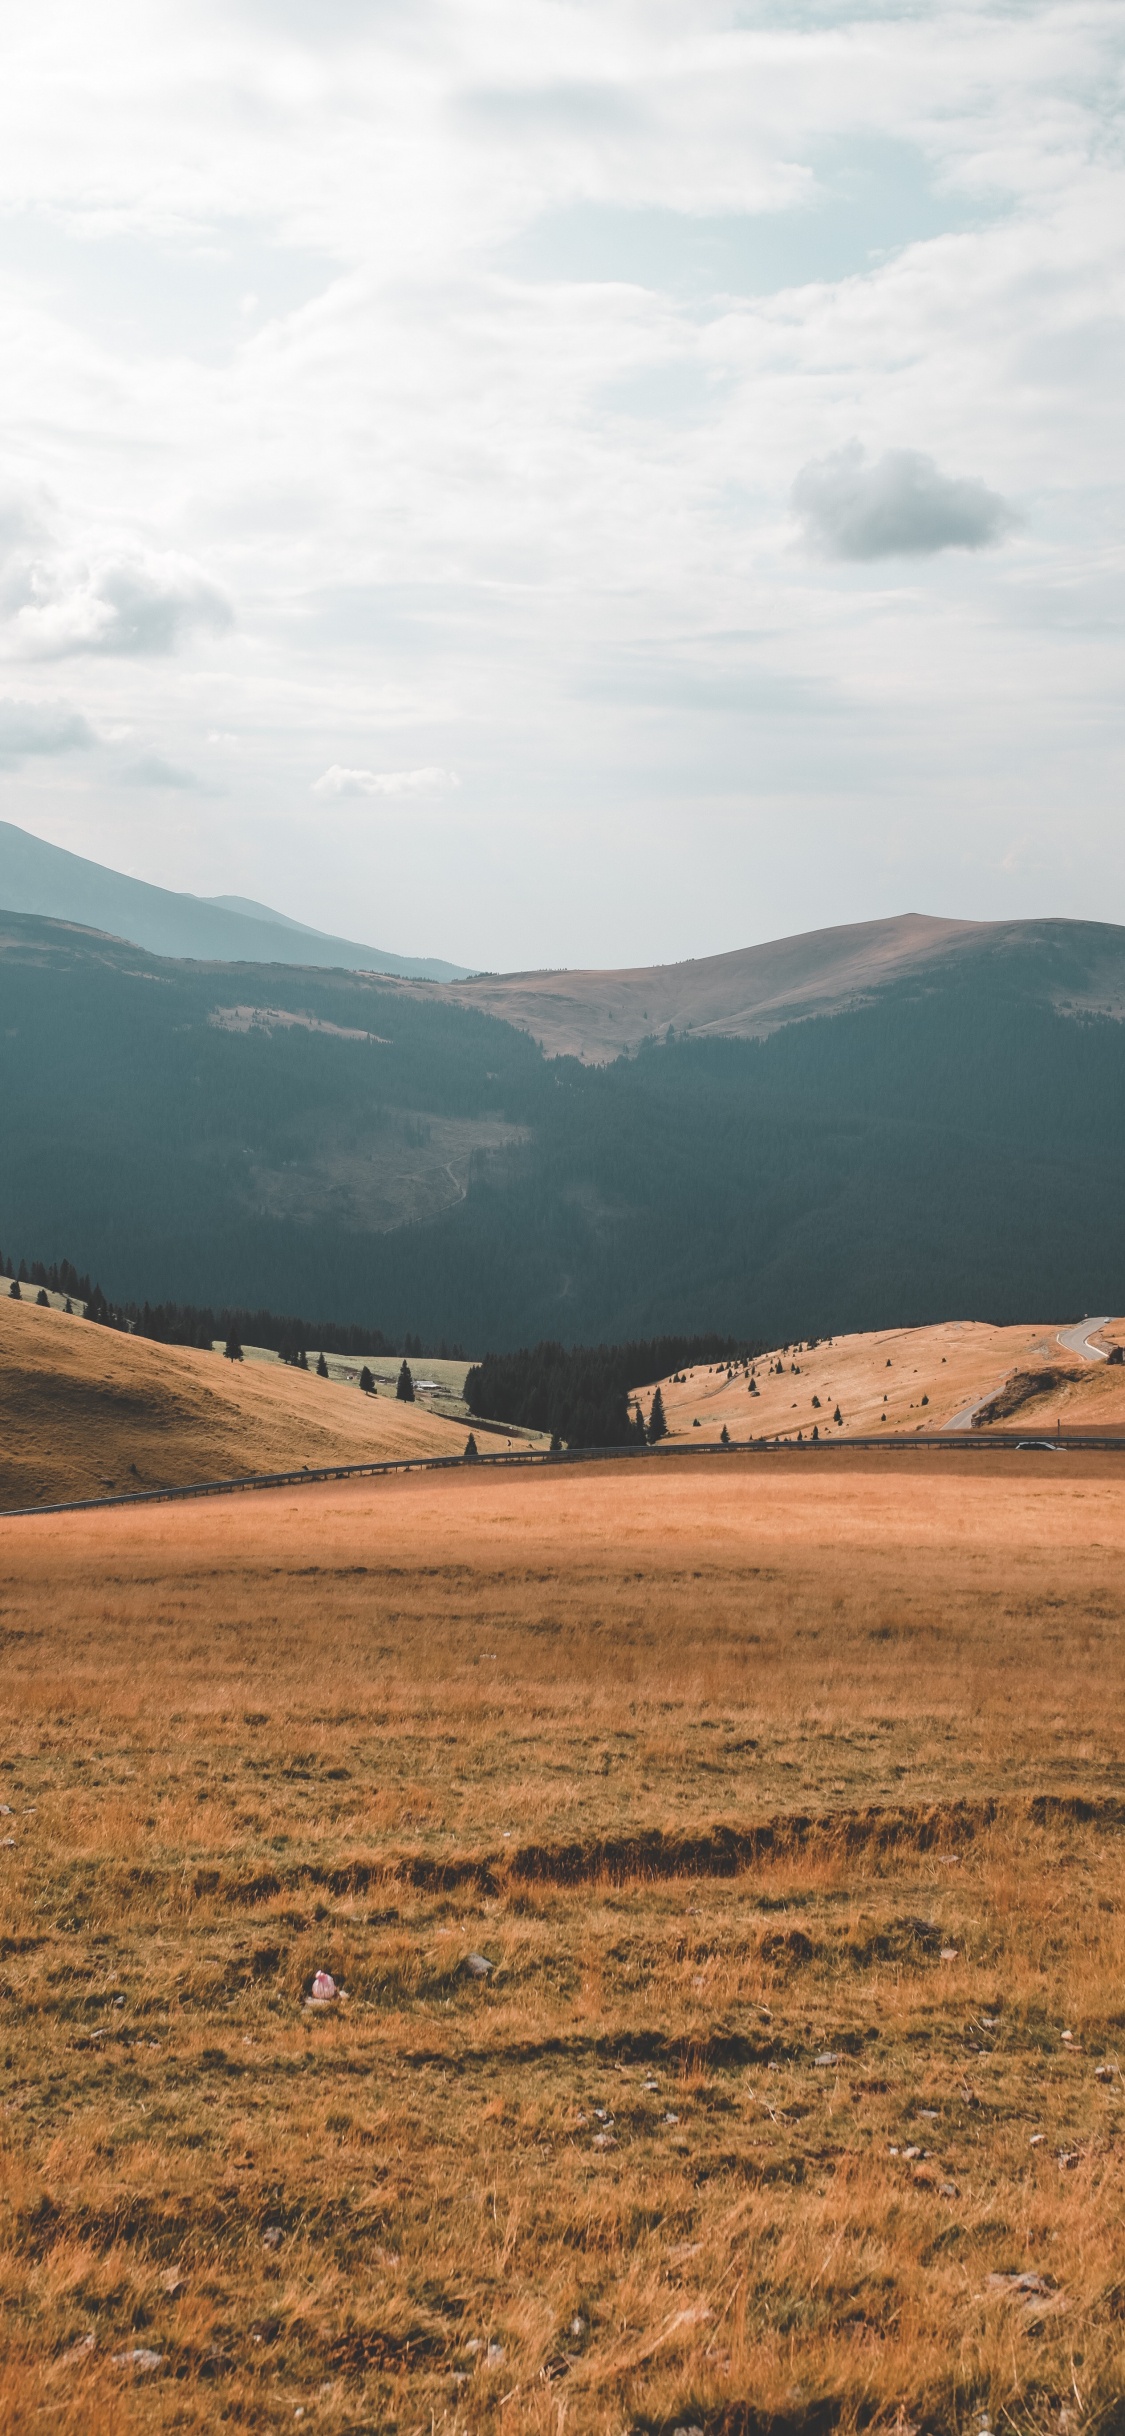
(37, 878)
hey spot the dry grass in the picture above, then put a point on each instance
(84, 1411)
(380, 1727)
(901, 1379)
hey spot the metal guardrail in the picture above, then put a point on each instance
(951, 1442)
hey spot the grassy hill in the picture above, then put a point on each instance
(84, 1412)
(225, 1134)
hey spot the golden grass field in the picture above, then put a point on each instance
(86, 1413)
(902, 1379)
(785, 1802)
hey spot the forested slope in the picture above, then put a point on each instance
(396, 1160)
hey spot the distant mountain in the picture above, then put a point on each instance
(752, 991)
(949, 1143)
(37, 878)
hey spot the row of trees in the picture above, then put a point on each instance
(201, 1325)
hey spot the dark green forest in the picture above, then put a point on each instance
(955, 1147)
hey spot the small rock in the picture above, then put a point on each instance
(829, 2060)
(474, 2346)
(172, 2283)
(6, 1811)
(603, 2140)
(929, 2114)
(273, 2237)
(948, 2190)
(692, 2428)
(78, 2351)
(602, 2114)
(1104, 2072)
(650, 2086)
(478, 1966)
(143, 2363)
(949, 1953)
(669, 2118)
(914, 2152)
(577, 2327)
(1038, 2140)
(1069, 2158)
(494, 2354)
(118, 2003)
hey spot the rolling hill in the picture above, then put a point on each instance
(84, 1412)
(947, 1141)
(753, 991)
(37, 878)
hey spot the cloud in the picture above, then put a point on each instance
(151, 770)
(41, 727)
(901, 505)
(133, 605)
(338, 781)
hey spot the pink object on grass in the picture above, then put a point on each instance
(324, 1985)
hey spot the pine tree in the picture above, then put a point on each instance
(657, 1425)
(302, 1359)
(724, 1435)
(470, 1455)
(556, 1443)
(366, 1382)
(321, 1367)
(405, 1389)
(232, 1350)
(69, 1308)
(838, 1417)
(14, 1295)
(43, 1300)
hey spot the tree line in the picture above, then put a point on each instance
(583, 1394)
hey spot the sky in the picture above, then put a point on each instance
(547, 484)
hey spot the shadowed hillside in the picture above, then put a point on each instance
(228, 1135)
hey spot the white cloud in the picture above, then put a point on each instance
(902, 505)
(339, 781)
(129, 605)
(28, 727)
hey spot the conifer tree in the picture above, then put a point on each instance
(232, 1350)
(657, 1425)
(321, 1367)
(14, 1295)
(470, 1455)
(366, 1382)
(405, 1389)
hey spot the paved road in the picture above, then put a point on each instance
(1077, 1340)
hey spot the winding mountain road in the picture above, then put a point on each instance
(1077, 1339)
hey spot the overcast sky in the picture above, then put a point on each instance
(590, 483)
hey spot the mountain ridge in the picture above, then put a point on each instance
(747, 993)
(45, 880)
